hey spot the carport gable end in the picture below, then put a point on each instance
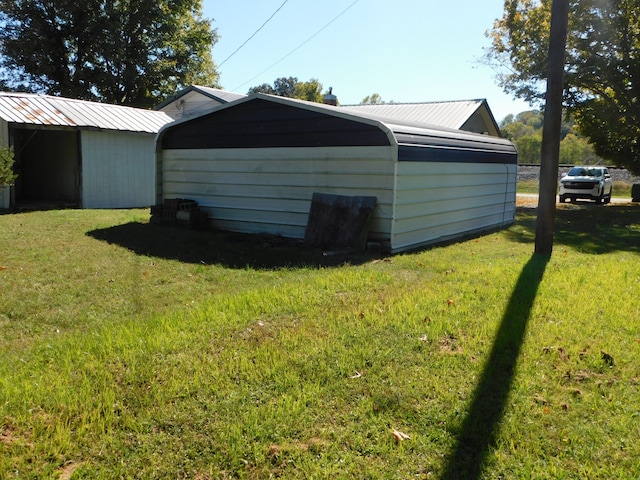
(254, 165)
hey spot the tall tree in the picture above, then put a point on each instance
(130, 52)
(602, 73)
(291, 87)
(552, 128)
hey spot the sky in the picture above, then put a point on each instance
(403, 50)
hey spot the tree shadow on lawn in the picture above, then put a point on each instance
(233, 250)
(480, 427)
(588, 228)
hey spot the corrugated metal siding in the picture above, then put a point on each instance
(270, 190)
(118, 170)
(56, 111)
(439, 201)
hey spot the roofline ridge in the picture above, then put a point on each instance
(480, 100)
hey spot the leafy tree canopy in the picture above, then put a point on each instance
(293, 88)
(373, 99)
(602, 73)
(129, 52)
(525, 131)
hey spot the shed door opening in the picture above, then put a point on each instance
(47, 165)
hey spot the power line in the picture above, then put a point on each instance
(254, 33)
(299, 46)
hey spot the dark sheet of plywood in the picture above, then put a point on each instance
(339, 221)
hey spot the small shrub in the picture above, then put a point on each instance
(7, 176)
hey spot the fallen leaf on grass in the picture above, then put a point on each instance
(400, 436)
(66, 472)
(540, 399)
(450, 302)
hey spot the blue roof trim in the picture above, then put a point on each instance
(438, 153)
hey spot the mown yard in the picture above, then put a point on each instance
(129, 350)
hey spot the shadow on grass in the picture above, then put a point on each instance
(480, 427)
(222, 248)
(589, 228)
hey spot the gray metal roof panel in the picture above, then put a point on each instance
(111, 117)
(445, 114)
(31, 109)
(56, 111)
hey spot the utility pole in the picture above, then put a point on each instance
(551, 129)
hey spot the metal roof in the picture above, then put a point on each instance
(403, 131)
(445, 114)
(222, 96)
(46, 110)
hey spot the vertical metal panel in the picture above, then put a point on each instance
(118, 169)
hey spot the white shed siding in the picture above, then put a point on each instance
(4, 133)
(270, 190)
(436, 201)
(118, 169)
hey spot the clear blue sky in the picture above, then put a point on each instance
(404, 50)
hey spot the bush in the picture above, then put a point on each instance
(7, 176)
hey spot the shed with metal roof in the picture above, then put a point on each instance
(254, 165)
(78, 153)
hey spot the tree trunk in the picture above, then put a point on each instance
(552, 128)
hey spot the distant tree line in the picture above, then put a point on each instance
(525, 131)
(291, 87)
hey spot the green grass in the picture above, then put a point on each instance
(133, 351)
(622, 189)
(528, 186)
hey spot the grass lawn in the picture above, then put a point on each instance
(129, 350)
